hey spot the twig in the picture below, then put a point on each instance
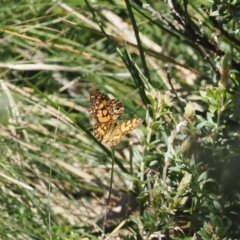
(109, 195)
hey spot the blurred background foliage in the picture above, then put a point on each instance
(175, 64)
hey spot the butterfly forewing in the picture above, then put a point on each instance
(104, 109)
(115, 108)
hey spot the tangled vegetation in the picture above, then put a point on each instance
(175, 64)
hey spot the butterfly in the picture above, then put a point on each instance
(106, 112)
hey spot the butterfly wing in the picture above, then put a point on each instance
(115, 108)
(104, 109)
(116, 135)
(101, 131)
(98, 102)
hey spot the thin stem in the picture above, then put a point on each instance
(109, 194)
(140, 48)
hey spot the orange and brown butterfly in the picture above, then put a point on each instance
(106, 112)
